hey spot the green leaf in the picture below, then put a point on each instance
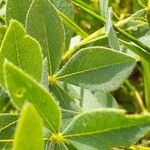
(73, 91)
(2, 33)
(98, 100)
(29, 134)
(61, 146)
(67, 118)
(45, 74)
(70, 146)
(44, 23)
(65, 100)
(112, 36)
(66, 146)
(83, 146)
(67, 8)
(106, 100)
(17, 9)
(141, 52)
(24, 88)
(22, 50)
(7, 128)
(107, 128)
(98, 69)
(104, 7)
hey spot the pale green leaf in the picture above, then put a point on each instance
(67, 8)
(112, 36)
(65, 100)
(108, 128)
(21, 50)
(98, 100)
(17, 9)
(29, 134)
(50, 145)
(73, 91)
(104, 7)
(61, 146)
(45, 74)
(136, 49)
(24, 88)
(113, 41)
(98, 68)
(83, 146)
(44, 24)
(106, 100)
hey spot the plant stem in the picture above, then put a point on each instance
(125, 34)
(101, 32)
(137, 96)
(72, 25)
(81, 96)
(70, 52)
(146, 73)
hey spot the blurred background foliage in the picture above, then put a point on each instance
(121, 9)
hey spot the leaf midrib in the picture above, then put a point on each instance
(88, 70)
(47, 43)
(104, 131)
(17, 51)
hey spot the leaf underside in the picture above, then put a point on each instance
(107, 128)
(98, 69)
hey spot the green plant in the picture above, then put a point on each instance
(59, 99)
